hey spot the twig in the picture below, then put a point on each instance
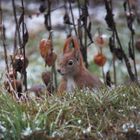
(23, 46)
(85, 27)
(130, 26)
(17, 25)
(114, 60)
(3, 38)
(51, 38)
(72, 15)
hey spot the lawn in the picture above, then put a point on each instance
(108, 113)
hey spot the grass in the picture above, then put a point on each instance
(104, 114)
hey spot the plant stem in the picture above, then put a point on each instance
(51, 38)
(3, 38)
(72, 15)
(23, 46)
(132, 40)
(17, 25)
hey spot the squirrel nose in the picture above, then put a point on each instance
(60, 71)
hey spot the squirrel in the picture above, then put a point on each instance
(73, 71)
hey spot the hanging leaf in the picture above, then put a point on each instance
(89, 26)
(108, 79)
(66, 19)
(131, 54)
(46, 22)
(18, 63)
(25, 36)
(109, 16)
(21, 19)
(42, 8)
(111, 44)
(46, 77)
(84, 14)
(88, 29)
(124, 5)
(118, 53)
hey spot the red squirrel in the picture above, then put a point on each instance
(74, 73)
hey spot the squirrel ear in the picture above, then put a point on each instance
(77, 54)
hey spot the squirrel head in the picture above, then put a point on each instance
(70, 63)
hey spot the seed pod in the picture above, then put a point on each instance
(18, 63)
(42, 8)
(99, 59)
(50, 59)
(45, 47)
(100, 40)
(46, 77)
(66, 19)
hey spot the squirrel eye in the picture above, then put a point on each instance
(70, 63)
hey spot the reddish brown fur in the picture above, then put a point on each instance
(81, 76)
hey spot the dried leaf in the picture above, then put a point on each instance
(131, 54)
(66, 19)
(42, 8)
(108, 79)
(18, 63)
(25, 36)
(21, 19)
(118, 53)
(111, 44)
(46, 22)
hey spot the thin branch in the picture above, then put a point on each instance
(132, 37)
(3, 38)
(16, 21)
(51, 38)
(72, 15)
(23, 46)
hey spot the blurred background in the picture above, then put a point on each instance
(34, 20)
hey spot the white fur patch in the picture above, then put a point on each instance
(70, 84)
